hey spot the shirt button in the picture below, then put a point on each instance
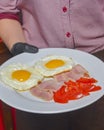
(64, 9)
(68, 34)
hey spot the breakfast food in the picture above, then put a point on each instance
(45, 89)
(73, 90)
(53, 77)
(20, 76)
(53, 64)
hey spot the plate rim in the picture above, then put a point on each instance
(57, 111)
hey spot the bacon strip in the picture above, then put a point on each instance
(45, 89)
(74, 74)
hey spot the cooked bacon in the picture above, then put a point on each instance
(46, 88)
(48, 85)
(42, 93)
(75, 73)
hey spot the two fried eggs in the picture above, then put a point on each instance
(23, 77)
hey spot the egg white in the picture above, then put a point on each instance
(42, 69)
(6, 77)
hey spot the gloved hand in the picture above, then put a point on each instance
(23, 47)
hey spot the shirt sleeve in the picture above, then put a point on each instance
(9, 9)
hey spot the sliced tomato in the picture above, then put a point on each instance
(61, 96)
(95, 88)
(73, 90)
(73, 95)
(87, 80)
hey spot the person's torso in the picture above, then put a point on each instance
(64, 23)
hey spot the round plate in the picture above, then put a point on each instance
(26, 102)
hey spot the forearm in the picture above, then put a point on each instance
(11, 32)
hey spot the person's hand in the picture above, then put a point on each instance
(23, 47)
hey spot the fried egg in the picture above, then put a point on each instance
(53, 64)
(20, 76)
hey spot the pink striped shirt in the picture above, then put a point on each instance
(59, 23)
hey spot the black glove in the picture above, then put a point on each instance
(23, 47)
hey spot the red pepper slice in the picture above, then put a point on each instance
(61, 96)
(87, 80)
(73, 90)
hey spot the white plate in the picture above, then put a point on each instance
(26, 102)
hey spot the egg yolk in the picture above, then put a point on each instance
(21, 75)
(54, 64)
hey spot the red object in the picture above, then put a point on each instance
(64, 9)
(9, 16)
(13, 115)
(73, 90)
(1, 118)
(68, 34)
(0, 40)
